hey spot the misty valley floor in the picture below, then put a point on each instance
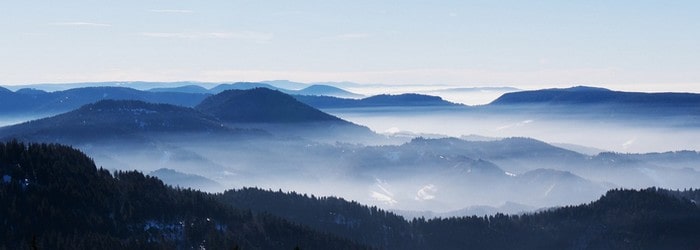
(44, 185)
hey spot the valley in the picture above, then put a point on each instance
(249, 136)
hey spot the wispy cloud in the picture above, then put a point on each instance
(629, 143)
(176, 11)
(427, 192)
(384, 196)
(82, 24)
(257, 37)
(514, 125)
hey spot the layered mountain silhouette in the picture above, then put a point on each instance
(281, 114)
(473, 171)
(258, 108)
(325, 90)
(183, 89)
(115, 119)
(402, 100)
(240, 86)
(55, 197)
(32, 101)
(287, 87)
(614, 101)
(175, 178)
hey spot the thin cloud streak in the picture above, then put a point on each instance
(257, 37)
(172, 11)
(83, 24)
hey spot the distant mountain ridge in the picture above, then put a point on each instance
(37, 101)
(34, 101)
(184, 89)
(255, 110)
(316, 89)
(591, 95)
(384, 100)
(325, 90)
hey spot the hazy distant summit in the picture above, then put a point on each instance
(183, 89)
(591, 95)
(326, 90)
(384, 100)
(287, 87)
(37, 101)
(261, 105)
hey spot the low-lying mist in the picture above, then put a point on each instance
(441, 175)
(12, 120)
(491, 163)
(610, 134)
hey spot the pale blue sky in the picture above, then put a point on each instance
(652, 45)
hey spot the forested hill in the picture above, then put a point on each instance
(261, 105)
(53, 197)
(109, 119)
(621, 219)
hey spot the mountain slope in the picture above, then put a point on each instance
(175, 178)
(502, 150)
(261, 105)
(240, 86)
(286, 84)
(463, 172)
(620, 219)
(611, 101)
(282, 115)
(317, 89)
(54, 197)
(115, 119)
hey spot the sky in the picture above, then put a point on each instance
(622, 44)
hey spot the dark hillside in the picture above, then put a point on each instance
(54, 197)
